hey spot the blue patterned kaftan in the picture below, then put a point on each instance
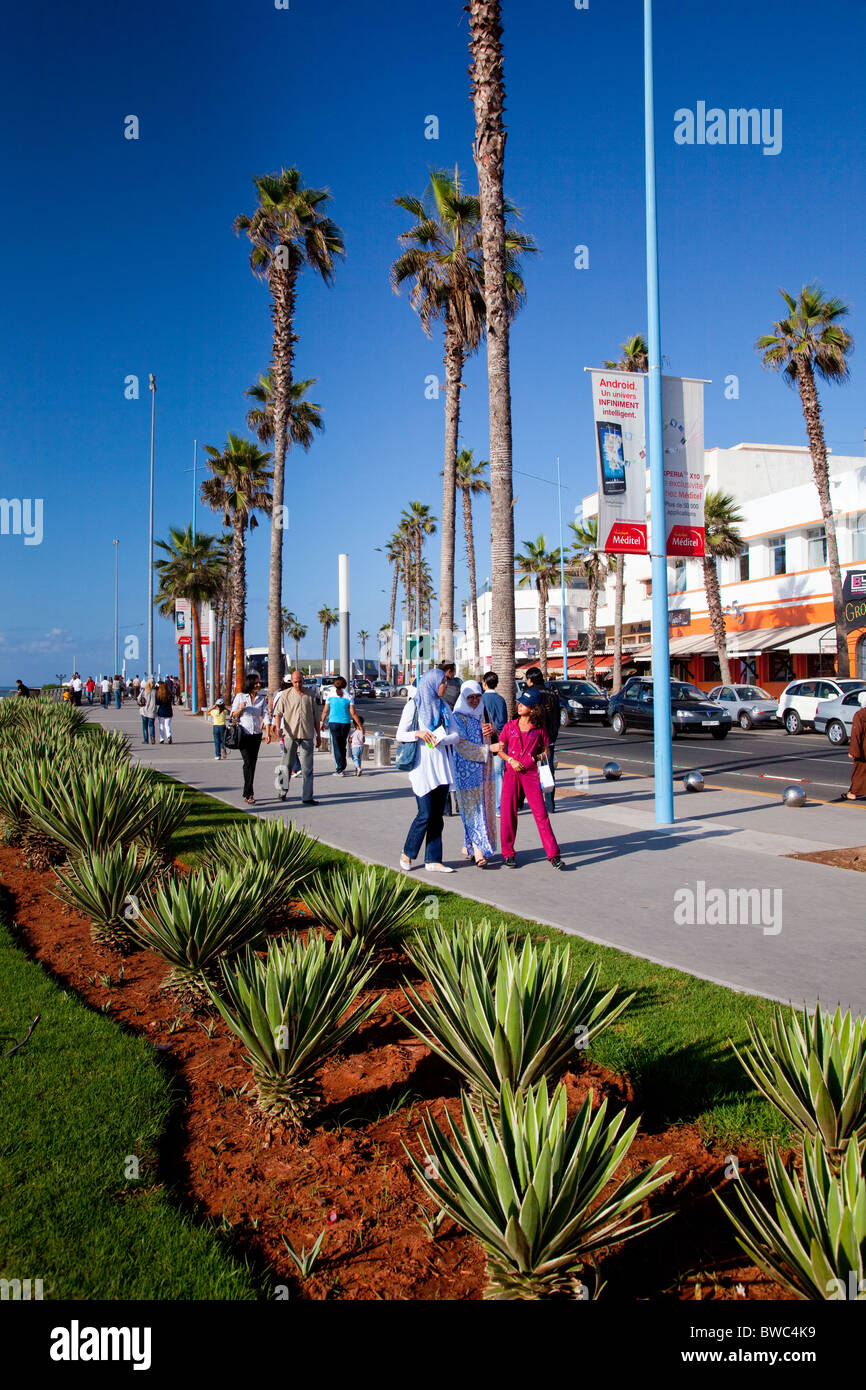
(476, 793)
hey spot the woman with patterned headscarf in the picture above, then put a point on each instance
(426, 722)
(473, 770)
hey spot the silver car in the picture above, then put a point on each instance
(748, 704)
(382, 690)
(835, 717)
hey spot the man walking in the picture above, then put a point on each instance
(549, 703)
(75, 687)
(297, 717)
(496, 711)
(452, 684)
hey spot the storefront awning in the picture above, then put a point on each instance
(806, 637)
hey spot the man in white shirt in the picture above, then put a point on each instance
(298, 717)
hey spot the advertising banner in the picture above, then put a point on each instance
(854, 599)
(620, 448)
(683, 442)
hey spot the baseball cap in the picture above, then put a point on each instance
(529, 699)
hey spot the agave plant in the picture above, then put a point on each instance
(110, 749)
(171, 810)
(194, 921)
(366, 904)
(439, 950)
(107, 885)
(815, 1244)
(517, 1021)
(287, 851)
(87, 809)
(527, 1185)
(814, 1072)
(288, 1010)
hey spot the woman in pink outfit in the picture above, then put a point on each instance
(522, 742)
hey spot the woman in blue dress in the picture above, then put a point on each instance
(474, 774)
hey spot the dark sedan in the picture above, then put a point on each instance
(580, 702)
(691, 711)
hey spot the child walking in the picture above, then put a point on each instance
(521, 743)
(217, 713)
(356, 744)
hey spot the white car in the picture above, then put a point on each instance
(835, 717)
(382, 690)
(799, 701)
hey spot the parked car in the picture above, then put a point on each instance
(363, 689)
(691, 711)
(799, 701)
(382, 690)
(748, 704)
(581, 702)
(835, 717)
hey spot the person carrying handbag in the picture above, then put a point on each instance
(249, 712)
(523, 743)
(147, 701)
(425, 724)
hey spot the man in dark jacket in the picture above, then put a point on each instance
(549, 702)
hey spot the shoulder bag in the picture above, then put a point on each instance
(407, 753)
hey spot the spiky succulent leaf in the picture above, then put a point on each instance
(106, 886)
(86, 809)
(288, 852)
(367, 904)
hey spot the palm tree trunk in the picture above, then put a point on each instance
(419, 606)
(393, 617)
(717, 618)
(815, 429)
(180, 667)
(617, 624)
(473, 591)
(591, 626)
(453, 380)
(297, 658)
(239, 599)
(282, 281)
(324, 647)
(542, 627)
(201, 697)
(488, 97)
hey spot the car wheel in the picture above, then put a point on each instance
(564, 720)
(618, 724)
(793, 722)
(675, 729)
(720, 733)
(746, 721)
(836, 732)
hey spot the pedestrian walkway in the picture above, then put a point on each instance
(713, 895)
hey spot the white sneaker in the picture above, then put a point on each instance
(217, 758)
(405, 863)
(438, 869)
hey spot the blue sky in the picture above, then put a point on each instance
(119, 258)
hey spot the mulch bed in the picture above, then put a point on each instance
(854, 858)
(349, 1173)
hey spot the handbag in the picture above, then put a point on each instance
(233, 735)
(545, 775)
(407, 753)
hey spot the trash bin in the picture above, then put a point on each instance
(383, 751)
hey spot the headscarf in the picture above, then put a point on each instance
(462, 706)
(432, 711)
(861, 698)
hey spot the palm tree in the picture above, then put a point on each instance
(488, 97)
(419, 523)
(297, 632)
(634, 358)
(363, 638)
(471, 482)
(239, 487)
(723, 542)
(811, 343)
(289, 232)
(192, 570)
(328, 617)
(540, 565)
(393, 551)
(443, 257)
(593, 566)
(305, 417)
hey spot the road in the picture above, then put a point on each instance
(760, 760)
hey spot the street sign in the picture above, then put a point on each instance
(185, 640)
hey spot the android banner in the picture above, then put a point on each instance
(620, 443)
(683, 440)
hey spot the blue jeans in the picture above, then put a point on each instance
(148, 729)
(117, 699)
(219, 740)
(357, 754)
(339, 738)
(428, 822)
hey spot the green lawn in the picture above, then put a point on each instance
(672, 1041)
(76, 1102)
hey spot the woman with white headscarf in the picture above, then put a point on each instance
(474, 773)
(426, 722)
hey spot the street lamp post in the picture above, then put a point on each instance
(116, 545)
(194, 655)
(151, 382)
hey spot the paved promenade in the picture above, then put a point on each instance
(798, 935)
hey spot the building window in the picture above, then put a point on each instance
(781, 667)
(859, 537)
(817, 538)
(744, 563)
(678, 577)
(712, 669)
(778, 563)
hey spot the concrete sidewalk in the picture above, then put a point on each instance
(798, 936)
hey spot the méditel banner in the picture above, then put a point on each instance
(683, 442)
(620, 446)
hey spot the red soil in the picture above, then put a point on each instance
(349, 1173)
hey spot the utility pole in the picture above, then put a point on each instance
(116, 545)
(151, 382)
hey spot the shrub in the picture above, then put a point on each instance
(106, 886)
(363, 903)
(287, 852)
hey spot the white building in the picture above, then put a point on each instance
(526, 625)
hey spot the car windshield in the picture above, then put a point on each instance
(571, 689)
(851, 685)
(681, 691)
(751, 692)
